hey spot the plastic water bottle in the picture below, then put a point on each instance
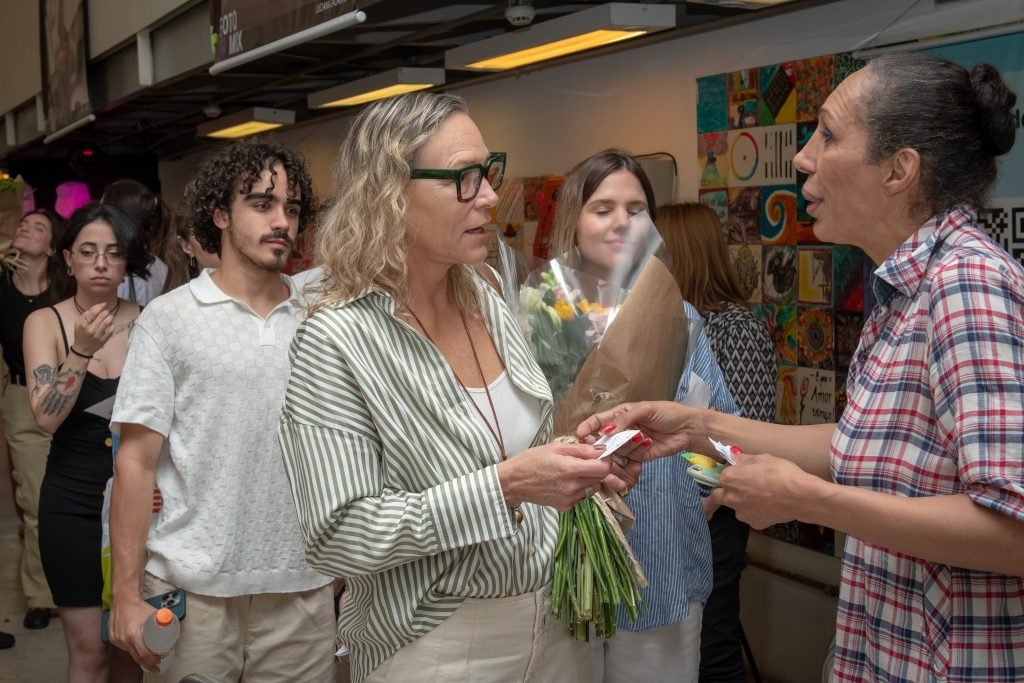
(160, 633)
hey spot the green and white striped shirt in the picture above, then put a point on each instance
(394, 474)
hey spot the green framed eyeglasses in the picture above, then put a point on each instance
(468, 180)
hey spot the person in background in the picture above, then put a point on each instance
(198, 258)
(670, 536)
(29, 279)
(416, 425)
(167, 269)
(925, 470)
(695, 242)
(197, 409)
(74, 351)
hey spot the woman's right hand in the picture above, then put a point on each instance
(556, 475)
(670, 426)
(93, 328)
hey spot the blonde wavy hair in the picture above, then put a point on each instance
(362, 237)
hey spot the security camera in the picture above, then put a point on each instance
(520, 12)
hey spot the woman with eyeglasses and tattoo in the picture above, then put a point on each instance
(416, 427)
(74, 351)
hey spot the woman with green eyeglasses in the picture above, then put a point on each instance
(416, 425)
(74, 351)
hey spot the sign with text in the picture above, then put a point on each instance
(242, 25)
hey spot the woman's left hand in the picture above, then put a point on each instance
(763, 489)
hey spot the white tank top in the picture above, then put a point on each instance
(518, 412)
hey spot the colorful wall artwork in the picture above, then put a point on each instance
(813, 297)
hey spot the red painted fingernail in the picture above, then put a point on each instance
(637, 437)
(735, 450)
(609, 429)
(647, 443)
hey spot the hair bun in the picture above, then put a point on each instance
(995, 101)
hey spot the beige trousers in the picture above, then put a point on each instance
(497, 640)
(267, 638)
(668, 653)
(29, 447)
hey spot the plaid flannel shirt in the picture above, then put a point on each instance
(936, 407)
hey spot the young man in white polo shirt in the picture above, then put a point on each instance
(205, 375)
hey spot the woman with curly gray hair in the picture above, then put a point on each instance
(416, 427)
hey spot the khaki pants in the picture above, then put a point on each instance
(496, 639)
(668, 653)
(265, 638)
(29, 447)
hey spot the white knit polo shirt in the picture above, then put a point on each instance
(208, 373)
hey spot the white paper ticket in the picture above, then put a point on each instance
(615, 441)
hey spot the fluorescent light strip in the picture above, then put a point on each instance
(379, 94)
(555, 49)
(244, 129)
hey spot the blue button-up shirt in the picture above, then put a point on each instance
(670, 536)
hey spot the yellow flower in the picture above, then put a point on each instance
(588, 307)
(564, 310)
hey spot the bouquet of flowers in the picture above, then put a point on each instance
(602, 336)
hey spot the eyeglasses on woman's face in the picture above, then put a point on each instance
(88, 256)
(468, 179)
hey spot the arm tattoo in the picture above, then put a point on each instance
(61, 388)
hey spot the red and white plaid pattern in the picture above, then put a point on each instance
(936, 407)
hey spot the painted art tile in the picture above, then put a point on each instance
(848, 326)
(712, 103)
(762, 156)
(848, 267)
(777, 86)
(744, 226)
(778, 281)
(841, 377)
(743, 96)
(817, 396)
(746, 259)
(816, 335)
(787, 407)
(781, 324)
(845, 64)
(813, 84)
(718, 200)
(815, 272)
(540, 195)
(778, 215)
(712, 151)
(805, 222)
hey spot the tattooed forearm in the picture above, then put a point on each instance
(43, 376)
(60, 391)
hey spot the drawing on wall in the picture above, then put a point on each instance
(762, 156)
(743, 98)
(712, 103)
(778, 215)
(844, 65)
(777, 85)
(787, 410)
(848, 267)
(815, 271)
(711, 150)
(746, 259)
(848, 325)
(781, 324)
(744, 222)
(817, 396)
(813, 84)
(778, 282)
(718, 200)
(815, 331)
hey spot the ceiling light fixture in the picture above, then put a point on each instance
(246, 122)
(385, 84)
(595, 27)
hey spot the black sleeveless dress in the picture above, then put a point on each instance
(71, 499)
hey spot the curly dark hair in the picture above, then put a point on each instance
(233, 169)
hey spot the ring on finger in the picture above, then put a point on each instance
(588, 492)
(620, 460)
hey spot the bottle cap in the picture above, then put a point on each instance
(164, 617)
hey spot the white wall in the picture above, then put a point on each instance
(644, 100)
